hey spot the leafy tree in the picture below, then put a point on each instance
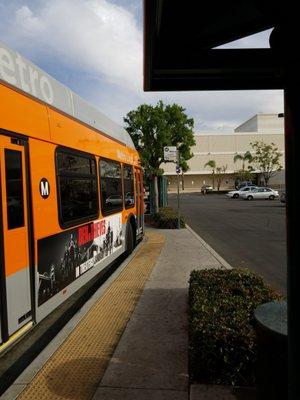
(212, 164)
(266, 159)
(154, 127)
(220, 174)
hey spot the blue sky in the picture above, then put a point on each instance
(95, 48)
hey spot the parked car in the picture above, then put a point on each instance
(245, 183)
(260, 193)
(114, 199)
(235, 194)
(206, 189)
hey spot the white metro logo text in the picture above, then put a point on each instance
(17, 72)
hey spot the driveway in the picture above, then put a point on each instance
(248, 234)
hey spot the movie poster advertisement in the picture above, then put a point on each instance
(64, 257)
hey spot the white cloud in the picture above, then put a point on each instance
(89, 35)
(220, 110)
(30, 23)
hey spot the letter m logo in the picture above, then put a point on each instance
(44, 188)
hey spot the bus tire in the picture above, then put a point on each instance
(129, 239)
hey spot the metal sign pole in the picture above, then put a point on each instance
(171, 154)
(178, 197)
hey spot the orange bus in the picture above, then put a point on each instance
(70, 194)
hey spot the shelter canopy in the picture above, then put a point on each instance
(180, 37)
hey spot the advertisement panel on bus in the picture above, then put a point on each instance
(64, 257)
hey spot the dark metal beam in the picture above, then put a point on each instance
(216, 70)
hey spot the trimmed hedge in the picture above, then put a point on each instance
(222, 341)
(167, 218)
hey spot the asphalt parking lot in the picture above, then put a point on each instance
(248, 234)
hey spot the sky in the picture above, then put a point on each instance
(95, 47)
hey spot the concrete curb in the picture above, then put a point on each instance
(217, 256)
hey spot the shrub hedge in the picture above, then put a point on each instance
(167, 218)
(222, 342)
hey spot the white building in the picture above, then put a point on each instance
(222, 147)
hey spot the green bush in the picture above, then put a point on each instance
(222, 342)
(167, 218)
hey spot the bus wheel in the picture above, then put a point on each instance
(129, 239)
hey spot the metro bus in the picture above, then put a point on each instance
(71, 194)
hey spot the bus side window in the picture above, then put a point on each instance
(77, 187)
(111, 186)
(14, 189)
(128, 185)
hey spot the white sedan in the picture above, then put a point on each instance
(235, 194)
(260, 193)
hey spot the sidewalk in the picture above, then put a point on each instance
(151, 359)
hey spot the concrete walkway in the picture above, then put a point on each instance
(151, 359)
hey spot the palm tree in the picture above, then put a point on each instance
(246, 157)
(212, 164)
(243, 174)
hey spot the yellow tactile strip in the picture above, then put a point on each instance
(76, 368)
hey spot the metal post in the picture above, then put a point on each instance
(178, 187)
(284, 41)
(292, 147)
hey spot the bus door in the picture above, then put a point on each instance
(15, 278)
(139, 199)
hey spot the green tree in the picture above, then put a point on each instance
(244, 175)
(266, 159)
(212, 164)
(154, 127)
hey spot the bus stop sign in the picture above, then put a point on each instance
(170, 153)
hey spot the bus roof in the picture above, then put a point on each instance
(24, 75)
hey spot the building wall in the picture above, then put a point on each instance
(193, 183)
(223, 147)
(262, 123)
(248, 126)
(270, 122)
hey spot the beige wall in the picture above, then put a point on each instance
(222, 148)
(262, 123)
(193, 183)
